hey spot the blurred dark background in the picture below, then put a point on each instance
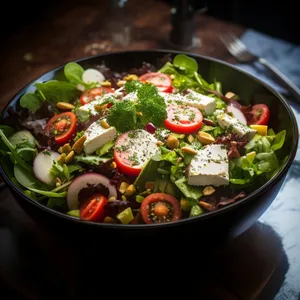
(278, 19)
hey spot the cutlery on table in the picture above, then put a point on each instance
(243, 55)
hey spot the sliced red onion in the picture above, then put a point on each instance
(236, 113)
(235, 104)
(208, 122)
(150, 128)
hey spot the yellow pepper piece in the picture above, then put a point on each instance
(261, 129)
(250, 156)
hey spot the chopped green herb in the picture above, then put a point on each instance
(79, 134)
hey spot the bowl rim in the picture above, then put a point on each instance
(265, 187)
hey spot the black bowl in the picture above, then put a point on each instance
(217, 226)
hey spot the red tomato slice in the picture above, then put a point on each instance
(90, 95)
(125, 166)
(260, 114)
(160, 208)
(122, 157)
(133, 149)
(62, 126)
(162, 81)
(93, 208)
(183, 119)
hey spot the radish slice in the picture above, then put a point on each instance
(42, 164)
(235, 104)
(92, 75)
(236, 112)
(83, 181)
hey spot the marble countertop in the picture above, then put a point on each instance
(284, 217)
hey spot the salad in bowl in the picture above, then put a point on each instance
(139, 147)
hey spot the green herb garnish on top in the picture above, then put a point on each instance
(149, 107)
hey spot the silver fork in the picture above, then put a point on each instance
(239, 50)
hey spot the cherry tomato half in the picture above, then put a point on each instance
(162, 81)
(183, 119)
(260, 114)
(160, 208)
(91, 94)
(62, 126)
(93, 208)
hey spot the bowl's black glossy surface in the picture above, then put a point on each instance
(225, 223)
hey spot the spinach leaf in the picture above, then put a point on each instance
(185, 63)
(57, 91)
(31, 101)
(27, 153)
(279, 140)
(73, 72)
(25, 178)
(13, 155)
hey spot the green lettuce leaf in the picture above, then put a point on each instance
(190, 192)
(260, 158)
(169, 156)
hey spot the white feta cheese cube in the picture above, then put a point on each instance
(218, 112)
(200, 101)
(97, 136)
(194, 99)
(235, 126)
(209, 167)
(90, 107)
(172, 98)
